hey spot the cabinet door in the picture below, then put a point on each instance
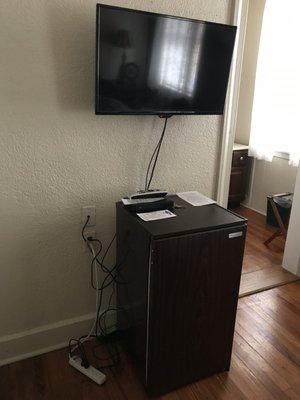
(238, 183)
(239, 158)
(194, 284)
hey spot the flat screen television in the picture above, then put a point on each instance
(149, 63)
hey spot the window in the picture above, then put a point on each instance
(275, 125)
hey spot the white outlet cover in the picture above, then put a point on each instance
(91, 211)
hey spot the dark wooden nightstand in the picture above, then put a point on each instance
(240, 171)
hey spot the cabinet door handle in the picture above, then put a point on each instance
(241, 158)
(235, 234)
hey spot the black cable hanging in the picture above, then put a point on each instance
(155, 154)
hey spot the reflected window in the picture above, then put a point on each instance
(176, 56)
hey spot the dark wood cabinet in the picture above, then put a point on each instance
(177, 297)
(240, 171)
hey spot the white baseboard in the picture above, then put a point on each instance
(254, 209)
(45, 338)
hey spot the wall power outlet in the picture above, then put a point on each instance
(88, 211)
(90, 232)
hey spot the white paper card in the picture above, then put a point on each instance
(155, 215)
(195, 198)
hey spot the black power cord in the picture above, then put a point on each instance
(104, 268)
(154, 157)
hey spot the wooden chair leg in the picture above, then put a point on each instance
(282, 229)
(272, 237)
(278, 218)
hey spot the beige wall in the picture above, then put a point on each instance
(57, 156)
(254, 23)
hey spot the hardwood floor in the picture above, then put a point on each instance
(262, 266)
(258, 256)
(265, 362)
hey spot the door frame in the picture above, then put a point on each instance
(240, 15)
(291, 260)
(291, 256)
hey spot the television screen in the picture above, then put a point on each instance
(150, 63)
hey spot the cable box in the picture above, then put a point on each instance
(148, 194)
(163, 204)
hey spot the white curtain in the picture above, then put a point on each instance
(275, 125)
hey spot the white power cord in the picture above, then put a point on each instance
(77, 362)
(95, 270)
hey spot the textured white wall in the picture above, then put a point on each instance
(57, 156)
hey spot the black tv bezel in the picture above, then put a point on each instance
(97, 67)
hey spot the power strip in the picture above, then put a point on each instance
(91, 372)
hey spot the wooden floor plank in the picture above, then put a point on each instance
(257, 255)
(262, 370)
(268, 340)
(281, 311)
(291, 293)
(263, 279)
(218, 387)
(287, 346)
(277, 325)
(265, 363)
(246, 381)
(262, 265)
